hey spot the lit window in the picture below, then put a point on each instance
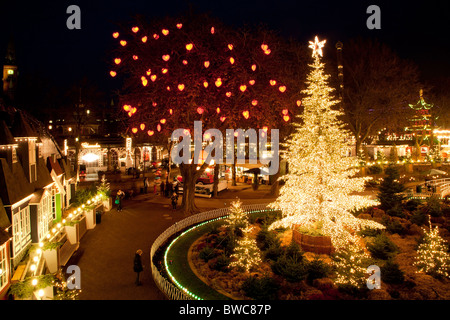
(10, 71)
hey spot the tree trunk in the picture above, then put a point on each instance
(275, 188)
(233, 174)
(216, 180)
(255, 182)
(190, 175)
(357, 145)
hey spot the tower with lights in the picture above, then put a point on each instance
(10, 72)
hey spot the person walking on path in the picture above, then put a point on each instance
(120, 195)
(174, 199)
(145, 184)
(162, 188)
(176, 185)
(138, 268)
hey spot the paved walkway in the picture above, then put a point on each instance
(106, 253)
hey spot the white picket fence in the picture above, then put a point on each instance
(171, 291)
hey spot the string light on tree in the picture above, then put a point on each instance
(320, 186)
(432, 254)
(246, 253)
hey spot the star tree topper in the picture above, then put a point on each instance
(317, 46)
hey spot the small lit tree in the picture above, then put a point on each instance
(104, 188)
(350, 265)
(237, 217)
(247, 252)
(432, 254)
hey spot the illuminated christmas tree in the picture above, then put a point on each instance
(432, 255)
(350, 265)
(237, 217)
(247, 252)
(321, 184)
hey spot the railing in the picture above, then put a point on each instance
(437, 187)
(171, 291)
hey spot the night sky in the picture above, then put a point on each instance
(44, 45)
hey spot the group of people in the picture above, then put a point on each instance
(171, 190)
(168, 190)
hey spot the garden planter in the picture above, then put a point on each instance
(72, 233)
(51, 259)
(47, 293)
(90, 219)
(315, 244)
(409, 168)
(107, 204)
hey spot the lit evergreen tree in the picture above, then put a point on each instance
(247, 253)
(237, 218)
(321, 183)
(350, 266)
(432, 254)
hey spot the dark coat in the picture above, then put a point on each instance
(137, 263)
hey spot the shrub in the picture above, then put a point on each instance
(266, 238)
(419, 217)
(316, 269)
(434, 206)
(221, 263)
(382, 247)
(391, 273)
(264, 288)
(375, 169)
(368, 232)
(396, 211)
(207, 253)
(393, 226)
(291, 268)
(273, 252)
(411, 205)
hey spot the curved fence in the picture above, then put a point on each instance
(171, 291)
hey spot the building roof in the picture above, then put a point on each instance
(43, 175)
(66, 168)
(4, 223)
(5, 135)
(54, 165)
(37, 196)
(21, 127)
(14, 186)
(4, 220)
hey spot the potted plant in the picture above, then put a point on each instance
(41, 287)
(71, 228)
(50, 251)
(105, 192)
(89, 212)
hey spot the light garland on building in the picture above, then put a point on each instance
(36, 255)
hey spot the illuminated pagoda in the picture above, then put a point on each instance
(421, 123)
